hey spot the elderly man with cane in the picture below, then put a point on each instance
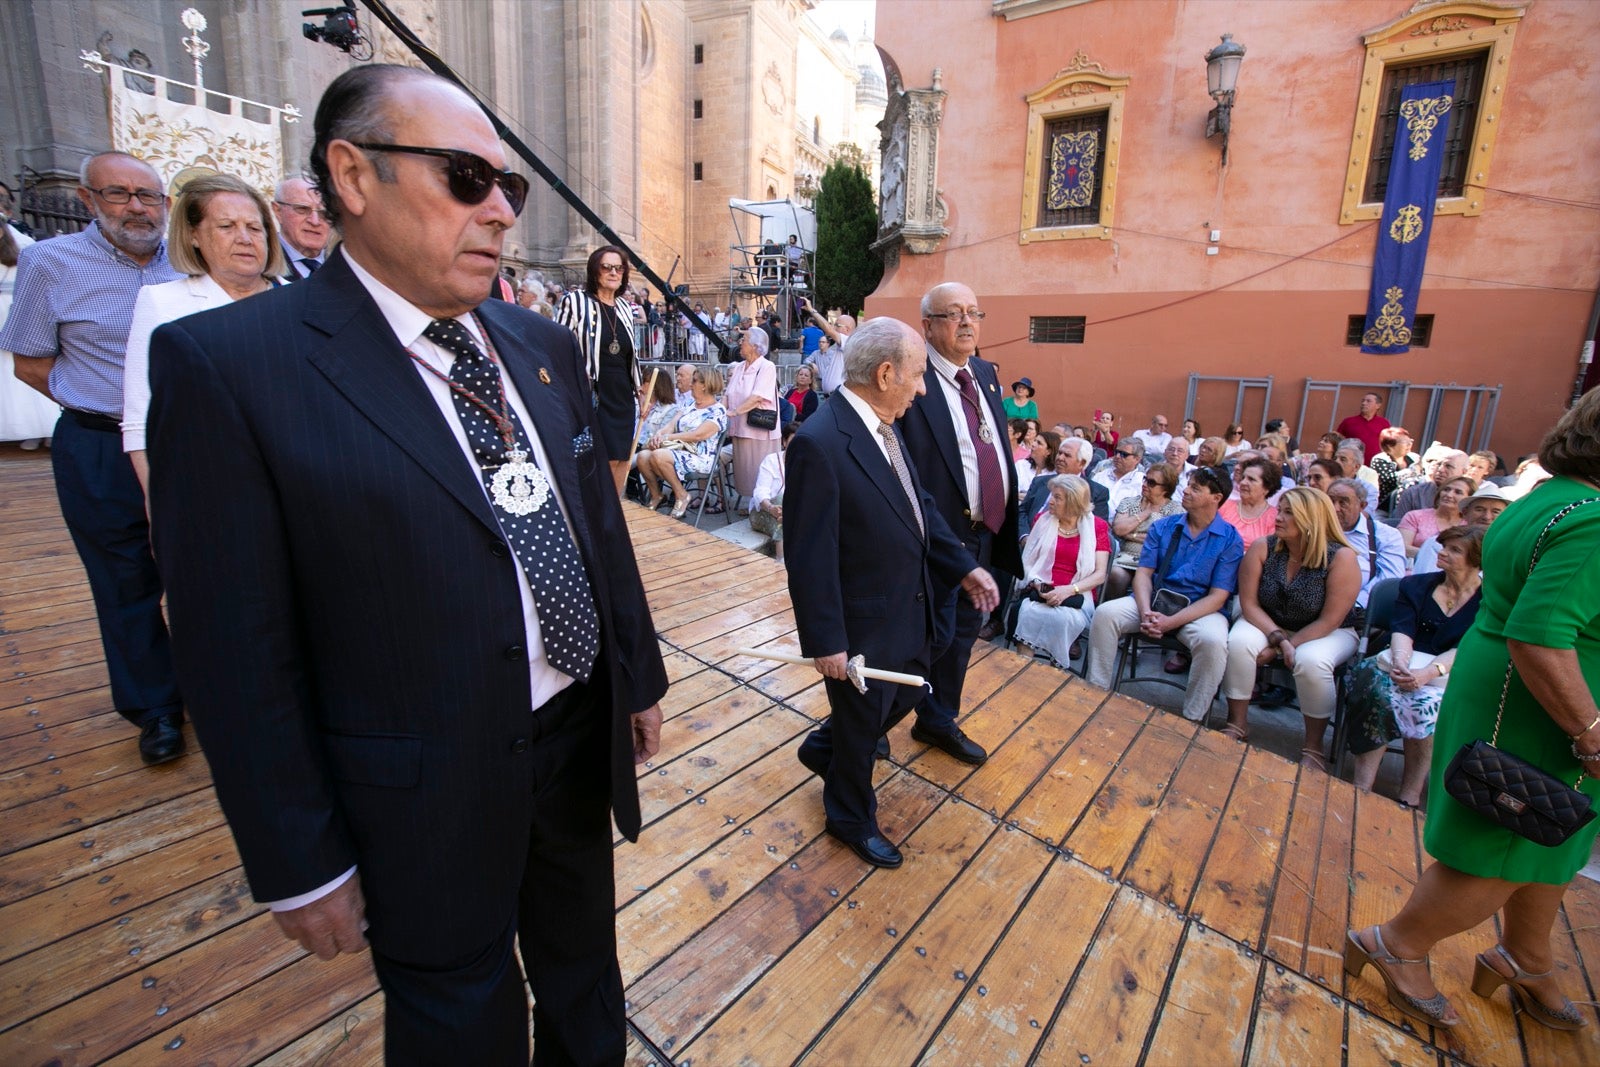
(866, 546)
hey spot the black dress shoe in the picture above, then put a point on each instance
(161, 739)
(955, 744)
(882, 751)
(876, 850)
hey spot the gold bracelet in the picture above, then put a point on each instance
(1585, 730)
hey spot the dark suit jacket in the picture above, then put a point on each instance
(345, 616)
(931, 440)
(860, 573)
(1038, 495)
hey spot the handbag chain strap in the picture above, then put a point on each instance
(1533, 561)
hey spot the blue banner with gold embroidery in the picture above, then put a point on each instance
(1402, 250)
(1073, 158)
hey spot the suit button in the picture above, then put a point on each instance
(921, 597)
(516, 653)
(520, 745)
(498, 549)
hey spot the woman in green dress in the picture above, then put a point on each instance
(1549, 626)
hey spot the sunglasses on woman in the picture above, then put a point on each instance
(471, 177)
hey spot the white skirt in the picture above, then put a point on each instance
(25, 413)
(1053, 630)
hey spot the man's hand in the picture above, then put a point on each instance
(646, 733)
(834, 666)
(775, 510)
(1154, 624)
(336, 923)
(981, 590)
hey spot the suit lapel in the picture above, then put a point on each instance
(937, 412)
(864, 450)
(364, 361)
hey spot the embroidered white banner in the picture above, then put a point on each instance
(173, 136)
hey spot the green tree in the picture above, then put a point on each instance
(847, 223)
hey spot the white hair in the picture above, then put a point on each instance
(758, 340)
(1084, 449)
(1355, 485)
(878, 341)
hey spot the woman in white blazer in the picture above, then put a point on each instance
(603, 320)
(223, 237)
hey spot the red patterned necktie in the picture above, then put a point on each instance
(991, 482)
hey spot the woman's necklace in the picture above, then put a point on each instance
(1452, 597)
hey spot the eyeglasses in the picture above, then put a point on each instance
(954, 317)
(116, 194)
(1126, 455)
(472, 178)
(1157, 482)
(609, 268)
(304, 211)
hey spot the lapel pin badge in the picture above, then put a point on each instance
(544, 376)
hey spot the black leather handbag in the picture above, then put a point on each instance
(1508, 790)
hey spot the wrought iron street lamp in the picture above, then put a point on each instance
(1222, 74)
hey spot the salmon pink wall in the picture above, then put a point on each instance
(1511, 289)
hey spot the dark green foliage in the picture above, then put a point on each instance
(847, 223)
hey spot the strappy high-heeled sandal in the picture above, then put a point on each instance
(1314, 758)
(1430, 1010)
(1485, 980)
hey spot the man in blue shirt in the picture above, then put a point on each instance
(810, 337)
(1195, 555)
(69, 329)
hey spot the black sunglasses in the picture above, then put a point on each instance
(1126, 455)
(471, 177)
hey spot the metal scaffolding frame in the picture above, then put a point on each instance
(1244, 385)
(1473, 408)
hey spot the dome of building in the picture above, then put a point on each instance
(871, 90)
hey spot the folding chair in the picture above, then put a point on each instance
(1128, 650)
(720, 476)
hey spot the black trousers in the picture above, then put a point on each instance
(955, 632)
(844, 744)
(476, 1011)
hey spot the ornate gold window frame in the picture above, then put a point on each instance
(1436, 31)
(1080, 87)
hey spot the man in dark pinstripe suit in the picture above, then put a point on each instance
(408, 751)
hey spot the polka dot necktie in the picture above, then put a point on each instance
(540, 538)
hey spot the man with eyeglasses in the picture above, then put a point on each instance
(1156, 437)
(1380, 548)
(1196, 556)
(1072, 457)
(405, 607)
(69, 329)
(956, 435)
(302, 225)
(1122, 471)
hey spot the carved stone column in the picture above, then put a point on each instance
(912, 210)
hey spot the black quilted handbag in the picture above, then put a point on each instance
(1516, 794)
(1508, 790)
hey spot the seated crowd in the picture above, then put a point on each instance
(1253, 565)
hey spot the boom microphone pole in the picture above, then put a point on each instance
(380, 11)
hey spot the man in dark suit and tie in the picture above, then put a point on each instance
(955, 433)
(1072, 457)
(414, 641)
(302, 226)
(867, 551)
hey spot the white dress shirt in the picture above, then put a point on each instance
(869, 417)
(945, 372)
(1391, 562)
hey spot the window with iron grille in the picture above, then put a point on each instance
(1073, 161)
(699, 109)
(1421, 330)
(1055, 329)
(1467, 73)
(699, 53)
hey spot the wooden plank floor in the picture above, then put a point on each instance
(1113, 886)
